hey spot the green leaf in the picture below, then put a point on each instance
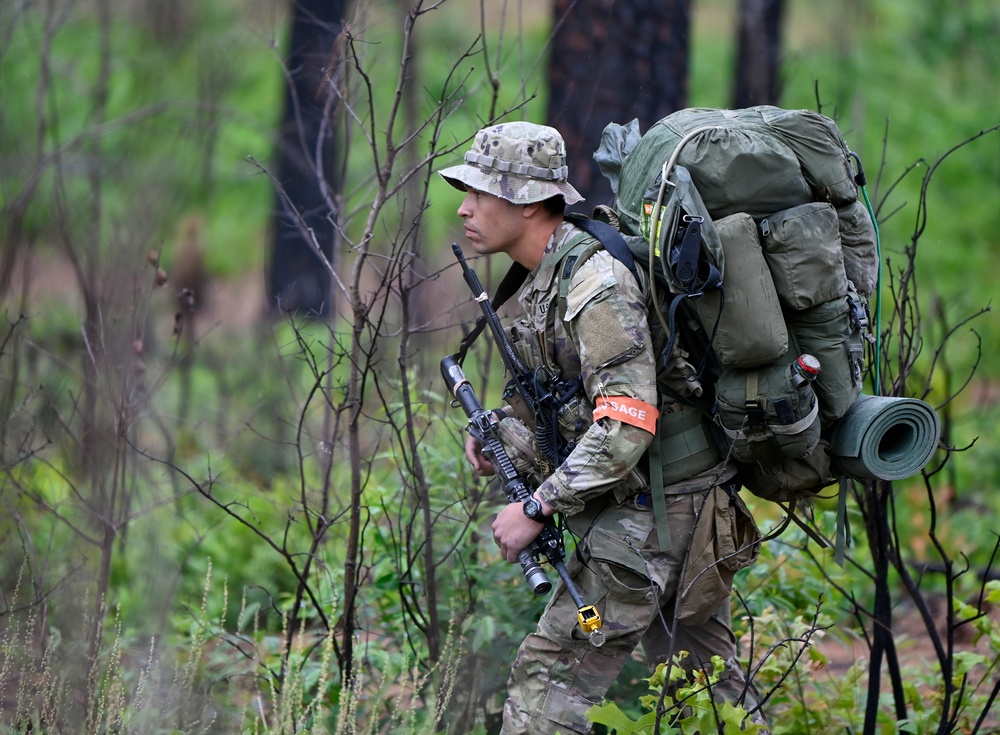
(735, 721)
(993, 591)
(966, 661)
(611, 716)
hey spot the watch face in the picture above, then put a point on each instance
(532, 508)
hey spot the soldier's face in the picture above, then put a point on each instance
(492, 224)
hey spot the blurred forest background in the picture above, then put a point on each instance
(232, 491)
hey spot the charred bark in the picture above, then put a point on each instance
(304, 217)
(758, 55)
(613, 62)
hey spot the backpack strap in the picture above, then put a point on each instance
(570, 259)
(610, 239)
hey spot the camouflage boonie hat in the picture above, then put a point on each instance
(519, 161)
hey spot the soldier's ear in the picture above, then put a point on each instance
(530, 210)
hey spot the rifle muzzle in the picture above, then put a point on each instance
(534, 574)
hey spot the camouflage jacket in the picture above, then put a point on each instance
(604, 338)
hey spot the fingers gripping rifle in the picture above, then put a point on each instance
(549, 543)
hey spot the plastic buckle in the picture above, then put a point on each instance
(755, 413)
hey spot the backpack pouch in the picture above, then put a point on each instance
(685, 443)
(857, 237)
(828, 332)
(767, 419)
(744, 317)
(802, 248)
(790, 479)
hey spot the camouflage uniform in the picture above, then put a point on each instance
(604, 337)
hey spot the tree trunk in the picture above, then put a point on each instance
(304, 232)
(612, 61)
(759, 53)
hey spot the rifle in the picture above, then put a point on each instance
(549, 543)
(542, 393)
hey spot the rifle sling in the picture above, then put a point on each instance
(512, 281)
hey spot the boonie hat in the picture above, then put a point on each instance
(518, 161)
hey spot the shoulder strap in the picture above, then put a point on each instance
(570, 258)
(610, 238)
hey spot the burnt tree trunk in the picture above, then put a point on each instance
(304, 216)
(613, 61)
(759, 53)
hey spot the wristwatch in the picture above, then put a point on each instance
(533, 509)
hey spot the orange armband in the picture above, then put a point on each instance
(629, 411)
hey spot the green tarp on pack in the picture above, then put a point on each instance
(759, 160)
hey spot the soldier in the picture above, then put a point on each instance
(630, 564)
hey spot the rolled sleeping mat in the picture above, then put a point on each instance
(885, 438)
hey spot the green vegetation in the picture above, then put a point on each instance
(178, 498)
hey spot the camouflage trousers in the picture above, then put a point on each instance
(557, 675)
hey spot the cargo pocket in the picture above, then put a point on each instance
(725, 541)
(623, 571)
(628, 579)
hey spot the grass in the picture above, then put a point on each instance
(219, 678)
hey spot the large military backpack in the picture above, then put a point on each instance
(749, 226)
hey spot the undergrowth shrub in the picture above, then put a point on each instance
(219, 678)
(680, 702)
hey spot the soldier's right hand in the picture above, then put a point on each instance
(474, 452)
